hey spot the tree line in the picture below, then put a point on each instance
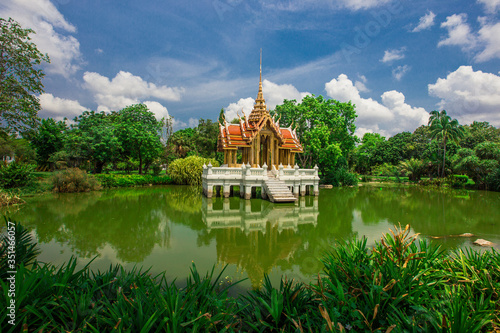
(441, 148)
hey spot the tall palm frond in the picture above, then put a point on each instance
(445, 129)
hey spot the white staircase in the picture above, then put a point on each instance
(277, 191)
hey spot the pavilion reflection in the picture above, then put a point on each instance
(256, 235)
(254, 215)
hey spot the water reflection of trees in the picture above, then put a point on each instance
(131, 222)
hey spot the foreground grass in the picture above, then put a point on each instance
(399, 285)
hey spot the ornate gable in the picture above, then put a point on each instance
(234, 136)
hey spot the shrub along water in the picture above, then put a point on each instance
(114, 180)
(74, 180)
(187, 171)
(400, 285)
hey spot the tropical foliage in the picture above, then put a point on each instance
(16, 174)
(325, 128)
(469, 150)
(443, 128)
(187, 171)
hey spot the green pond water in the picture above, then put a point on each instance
(167, 228)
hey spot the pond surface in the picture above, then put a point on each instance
(167, 228)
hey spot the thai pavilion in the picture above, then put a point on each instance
(259, 138)
(267, 159)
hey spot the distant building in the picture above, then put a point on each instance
(8, 159)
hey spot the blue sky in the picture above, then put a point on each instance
(397, 60)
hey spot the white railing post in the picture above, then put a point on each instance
(209, 171)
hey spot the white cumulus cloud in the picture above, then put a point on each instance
(459, 32)
(301, 5)
(59, 108)
(469, 95)
(391, 116)
(274, 94)
(244, 105)
(44, 18)
(158, 109)
(393, 55)
(126, 89)
(400, 71)
(489, 36)
(484, 44)
(425, 22)
(491, 5)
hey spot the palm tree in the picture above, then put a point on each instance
(444, 128)
(413, 168)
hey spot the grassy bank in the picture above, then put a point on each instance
(400, 285)
(74, 180)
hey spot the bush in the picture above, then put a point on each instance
(112, 180)
(25, 248)
(457, 181)
(339, 174)
(341, 177)
(493, 181)
(7, 199)
(433, 182)
(187, 171)
(16, 175)
(74, 180)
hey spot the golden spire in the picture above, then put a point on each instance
(260, 103)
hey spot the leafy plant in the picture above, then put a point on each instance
(7, 199)
(187, 171)
(16, 174)
(16, 240)
(413, 168)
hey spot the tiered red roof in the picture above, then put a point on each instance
(233, 136)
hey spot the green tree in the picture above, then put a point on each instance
(413, 168)
(13, 146)
(314, 112)
(445, 129)
(221, 117)
(20, 80)
(479, 132)
(91, 140)
(187, 171)
(48, 139)
(180, 144)
(206, 137)
(364, 153)
(469, 162)
(138, 132)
